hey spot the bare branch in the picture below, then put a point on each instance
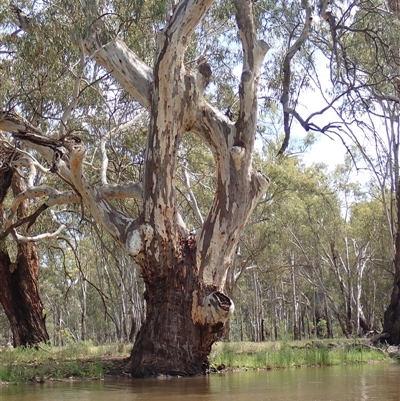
(67, 156)
(193, 199)
(30, 162)
(10, 122)
(54, 197)
(33, 192)
(117, 224)
(287, 75)
(75, 93)
(29, 219)
(39, 237)
(123, 64)
(110, 135)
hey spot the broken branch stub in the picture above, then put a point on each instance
(216, 308)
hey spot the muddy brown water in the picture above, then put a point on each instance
(339, 383)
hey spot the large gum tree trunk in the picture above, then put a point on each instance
(170, 341)
(19, 296)
(391, 318)
(185, 275)
(19, 292)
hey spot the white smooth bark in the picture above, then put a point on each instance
(174, 98)
(124, 65)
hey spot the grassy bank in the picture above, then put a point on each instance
(280, 355)
(76, 360)
(84, 360)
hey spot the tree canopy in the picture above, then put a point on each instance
(162, 125)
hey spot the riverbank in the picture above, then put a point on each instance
(280, 355)
(87, 361)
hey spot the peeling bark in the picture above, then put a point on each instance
(172, 341)
(184, 275)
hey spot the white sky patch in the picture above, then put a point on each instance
(328, 149)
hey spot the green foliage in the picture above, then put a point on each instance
(287, 244)
(321, 328)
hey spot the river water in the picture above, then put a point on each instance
(338, 383)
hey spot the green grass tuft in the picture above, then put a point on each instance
(76, 360)
(288, 355)
(84, 360)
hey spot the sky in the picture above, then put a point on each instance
(325, 150)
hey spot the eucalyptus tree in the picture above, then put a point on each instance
(274, 298)
(363, 50)
(19, 272)
(32, 73)
(300, 216)
(184, 274)
(100, 49)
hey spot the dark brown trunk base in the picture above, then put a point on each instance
(391, 318)
(150, 359)
(169, 343)
(19, 296)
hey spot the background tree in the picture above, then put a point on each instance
(19, 274)
(364, 49)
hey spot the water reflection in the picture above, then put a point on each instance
(340, 383)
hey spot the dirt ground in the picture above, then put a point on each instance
(115, 367)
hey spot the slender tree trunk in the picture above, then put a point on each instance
(329, 327)
(257, 308)
(84, 335)
(241, 320)
(296, 317)
(275, 316)
(132, 331)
